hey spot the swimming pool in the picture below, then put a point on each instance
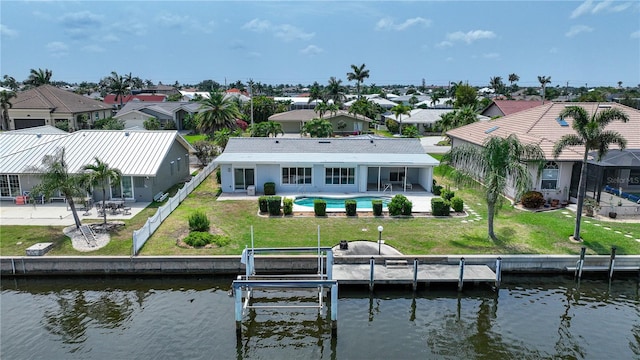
(362, 202)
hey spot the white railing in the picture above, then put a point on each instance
(143, 234)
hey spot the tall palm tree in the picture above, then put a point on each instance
(335, 91)
(500, 162)
(358, 74)
(590, 133)
(39, 77)
(496, 84)
(333, 109)
(10, 82)
(398, 111)
(513, 78)
(544, 80)
(321, 108)
(315, 93)
(216, 113)
(5, 103)
(101, 174)
(117, 85)
(54, 175)
(465, 115)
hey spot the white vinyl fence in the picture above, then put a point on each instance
(143, 234)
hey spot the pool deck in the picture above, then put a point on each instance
(421, 200)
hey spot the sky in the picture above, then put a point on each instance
(592, 43)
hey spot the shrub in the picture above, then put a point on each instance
(400, 205)
(220, 240)
(269, 188)
(198, 221)
(377, 207)
(410, 131)
(274, 205)
(262, 204)
(198, 238)
(170, 125)
(287, 206)
(447, 194)
(320, 207)
(151, 123)
(457, 204)
(350, 207)
(392, 125)
(440, 207)
(437, 190)
(218, 175)
(532, 199)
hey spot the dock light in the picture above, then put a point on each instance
(380, 228)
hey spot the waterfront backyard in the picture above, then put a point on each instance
(519, 232)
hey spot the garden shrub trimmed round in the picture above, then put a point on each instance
(198, 238)
(440, 207)
(399, 205)
(350, 207)
(198, 221)
(287, 206)
(377, 207)
(320, 207)
(457, 204)
(532, 199)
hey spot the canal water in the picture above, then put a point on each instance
(548, 317)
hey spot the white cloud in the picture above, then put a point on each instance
(80, 24)
(470, 36)
(289, 32)
(257, 25)
(57, 48)
(172, 20)
(94, 48)
(8, 32)
(388, 24)
(590, 6)
(311, 50)
(444, 44)
(577, 29)
(110, 38)
(254, 55)
(491, 56)
(635, 35)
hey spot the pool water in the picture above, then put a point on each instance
(362, 202)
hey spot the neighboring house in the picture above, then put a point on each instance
(150, 161)
(159, 89)
(134, 114)
(115, 103)
(293, 121)
(298, 102)
(499, 108)
(191, 95)
(48, 105)
(424, 119)
(376, 99)
(334, 165)
(542, 125)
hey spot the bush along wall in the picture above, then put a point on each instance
(287, 206)
(320, 207)
(350, 207)
(274, 204)
(447, 194)
(400, 205)
(262, 204)
(377, 207)
(269, 188)
(440, 207)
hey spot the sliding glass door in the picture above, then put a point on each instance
(243, 178)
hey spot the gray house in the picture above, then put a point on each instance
(293, 121)
(336, 165)
(150, 161)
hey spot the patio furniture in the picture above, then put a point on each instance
(126, 210)
(409, 186)
(21, 200)
(387, 186)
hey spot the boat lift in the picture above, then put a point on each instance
(244, 286)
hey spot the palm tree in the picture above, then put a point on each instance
(216, 113)
(5, 103)
(544, 80)
(499, 163)
(117, 84)
(273, 128)
(496, 84)
(39, 77)
(465, 115)
(100, 174)
(398, 111)
(358, 74)
(321, 108)
(513, 78)
(10, 81)
(335, 91)
(333, 109)
(315, 93)
(54, 175)
(317, 128)
(590, 133)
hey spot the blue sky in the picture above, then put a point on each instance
(299, 42)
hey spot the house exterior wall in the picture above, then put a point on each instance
(51, 117)
(290, 127)
(174, 168)
(352, 125)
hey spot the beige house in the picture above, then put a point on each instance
(48, 105)
(293, 121)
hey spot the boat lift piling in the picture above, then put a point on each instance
(461, 277)
(578, 272)
(498, 272)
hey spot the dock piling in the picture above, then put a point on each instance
(612, 261)
(578, 272)
(415, 274)
(498, 272)
(372, 264)
(461, 277)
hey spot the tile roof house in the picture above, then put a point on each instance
(48, 105)
(293, 121)
(424, 119)
(337, 165)
(150, 161)
(508, 107)
(111, 99)
(542, 125)
(134, 114)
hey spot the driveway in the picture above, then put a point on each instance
(429, 144)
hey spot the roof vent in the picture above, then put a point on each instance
(491, 129)
(324, 142)
(277, 141)
(371, 141)
(39, 135)
(604, 106)
(562, 121)
(126, 134)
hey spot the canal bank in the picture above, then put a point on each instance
(231, 265)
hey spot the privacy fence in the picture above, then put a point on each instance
(143, 234)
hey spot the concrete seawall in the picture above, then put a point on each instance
(230, 265)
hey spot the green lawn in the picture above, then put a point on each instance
(520, 232)
(194, 138)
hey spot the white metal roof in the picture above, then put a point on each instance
(135, 153)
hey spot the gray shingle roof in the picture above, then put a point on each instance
(307, 115)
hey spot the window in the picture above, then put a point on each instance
(97, 115)
(396, 174)
(550, 176)
(337, 176)
(9, 185)
(296, 175)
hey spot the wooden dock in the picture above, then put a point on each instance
(404, 274)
